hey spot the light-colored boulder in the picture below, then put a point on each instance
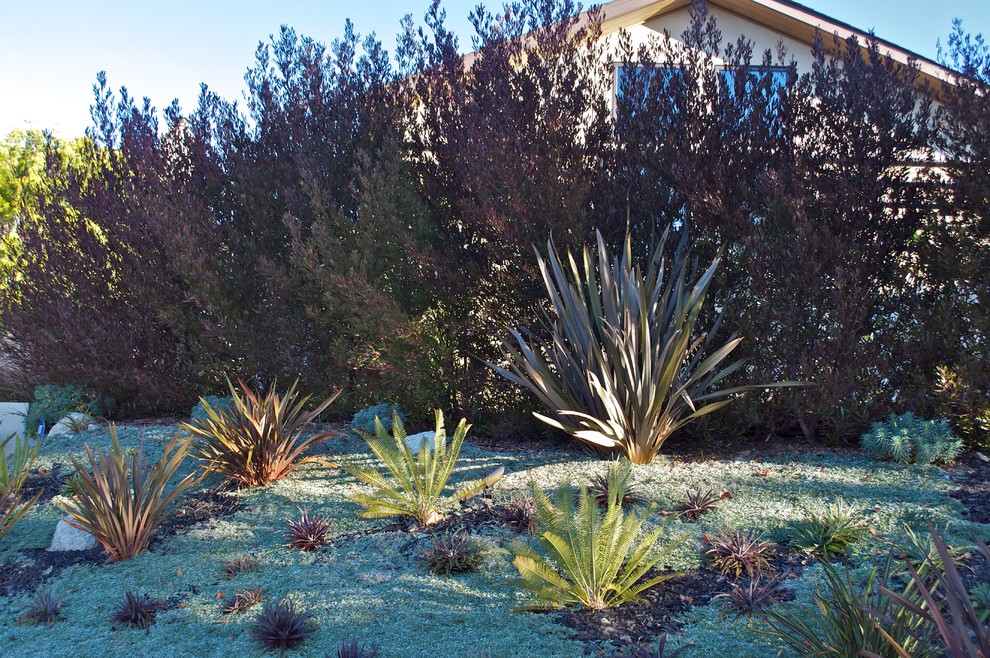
(76, 421)
(416, 441)
(68, 538)
(12, 418)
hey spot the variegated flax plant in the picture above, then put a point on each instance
(624, 364)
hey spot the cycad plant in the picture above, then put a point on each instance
(590, 558)
(121, 500)
(623, 364)
(414, 483)
(258, 438)
(13, 475)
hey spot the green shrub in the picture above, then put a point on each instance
(590, 558)
(218, 402)
(623, 362)
(53, 402)
(417, 483)
(907, 439)
(830, 533)
(364, 420)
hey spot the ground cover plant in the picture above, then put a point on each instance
(370, 581)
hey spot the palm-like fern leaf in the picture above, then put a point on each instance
(414, 483)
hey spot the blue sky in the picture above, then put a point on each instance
(52, 49)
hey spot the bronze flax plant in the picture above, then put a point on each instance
(418, 480)
(258, 439)
(122, 501)
(625, 365)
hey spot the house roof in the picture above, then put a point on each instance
(784, 16)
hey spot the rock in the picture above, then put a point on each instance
(68, 538)
(415, 441)
(74, 422)
(12, 419)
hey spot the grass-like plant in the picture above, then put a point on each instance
(45, 609)
(697, 503)
(590, 558)
(831, 533)
(755, 595)
(943, 601)
(121, 500)
(619, 474)
(282, 625)
(737, 552)
(845, 620)
(240, 564)
(308, 532)
(258, 438)
(414, 484)
(623, 363)
(243, 600)
(138, 610)
(351, 648)
(456, 553)
(13, 475)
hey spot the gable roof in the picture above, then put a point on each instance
(784, 16)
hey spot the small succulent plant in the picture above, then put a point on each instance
(351, 648)
(698, 502)
(980, 596)
(71, 486)
(240, 564)
(455, 553)
(908, 439)
(45, 609)
(619, 474)
(243, 600)
(520, 514)
(282, 625)
(830, 533)
(138, 610)
(308, 533)
(755, 595)
(736, 552)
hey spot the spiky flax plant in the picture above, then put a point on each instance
(13, 475)
(589, 558)
(623, 363)
(414, 484)
(258, 438)
(121, 500)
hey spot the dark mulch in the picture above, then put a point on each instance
(36, 565)
(972, 474)
(197, 507)
(45, 481)
(639, 623)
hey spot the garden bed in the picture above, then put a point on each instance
(370, 582)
